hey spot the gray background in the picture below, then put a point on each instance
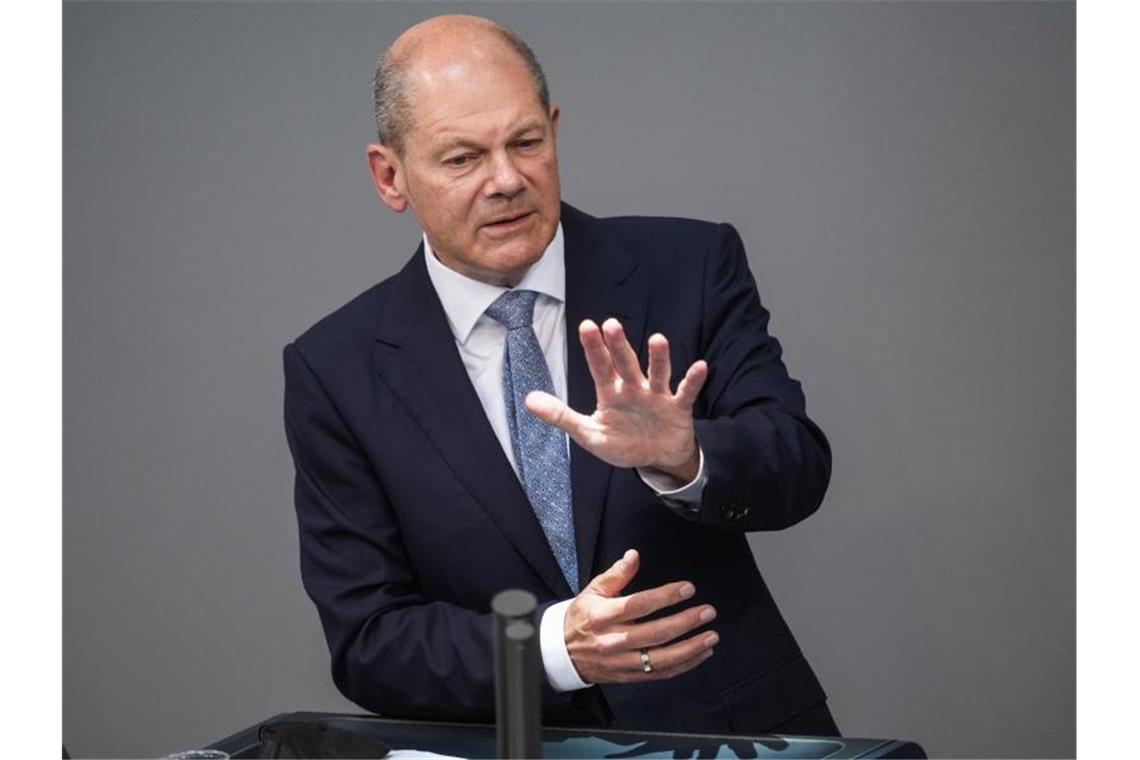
(903, 177)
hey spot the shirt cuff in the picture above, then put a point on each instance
(556, 661)
(688, 494)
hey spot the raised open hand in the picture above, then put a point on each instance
(639, 422)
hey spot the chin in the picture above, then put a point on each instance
(519, 254)
(516, 266)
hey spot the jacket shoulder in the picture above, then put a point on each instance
(667, 239)
(352, 323)
(662, 225)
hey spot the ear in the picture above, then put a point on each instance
(554, 112)
(387, 176)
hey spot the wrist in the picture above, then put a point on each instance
(561, 673)
(688, 467)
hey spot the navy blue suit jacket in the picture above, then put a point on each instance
(411, 518)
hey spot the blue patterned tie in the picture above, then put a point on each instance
(540, 450)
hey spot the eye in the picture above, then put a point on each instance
(528, 143)
(458, 161)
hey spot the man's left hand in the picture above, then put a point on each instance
(639, 422)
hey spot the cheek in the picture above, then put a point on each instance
(452, 205)
(545, 176)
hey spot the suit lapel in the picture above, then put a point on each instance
(433, 385)
(602, 281)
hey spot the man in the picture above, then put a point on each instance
(453, 437)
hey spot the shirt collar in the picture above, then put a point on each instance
(464, 299)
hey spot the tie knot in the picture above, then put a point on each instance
(514, 309)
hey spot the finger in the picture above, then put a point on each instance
(659, 365)
(627, 667)
(630, 608)
(597, 355)
(621, 353)
(611, 582)
(690, 386)
(553, 411)
(661, 674)
(665, 661)
(656, 633)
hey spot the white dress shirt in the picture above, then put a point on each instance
(479, 339)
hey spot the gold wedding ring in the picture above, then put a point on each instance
(646, 665)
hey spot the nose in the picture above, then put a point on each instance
(505, 178)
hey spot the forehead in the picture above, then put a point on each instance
(463, 96)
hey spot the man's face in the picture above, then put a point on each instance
(479, 167)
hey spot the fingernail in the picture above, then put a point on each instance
(707, 614)
(711, 640)
(687, 590)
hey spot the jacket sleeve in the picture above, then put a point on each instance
(393, 651)
(768, 463)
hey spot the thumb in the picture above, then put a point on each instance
(551, 410)
(611, 582)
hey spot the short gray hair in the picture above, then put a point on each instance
(390, 105)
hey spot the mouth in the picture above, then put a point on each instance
(508, 222)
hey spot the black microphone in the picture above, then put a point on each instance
(518, 695)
